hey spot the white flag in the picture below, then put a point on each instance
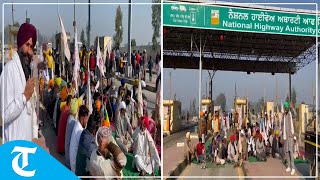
(41, 54)
(100, 60)
(140, 100)
(76, 67)
(65, 40)
(89, 97)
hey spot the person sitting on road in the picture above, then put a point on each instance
(123, 129)
(232, 150)
(101, 163)
(251, 146)
(275, 151)
(188, 148)
(261, 155)
(79, 125)
(86, 145)
(213, 149)
(122, 90)
(146, 157)
(296, 153)
(219, 159)
(201, 153)
(224, 148)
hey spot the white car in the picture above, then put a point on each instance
(183, 8)
(174, 8)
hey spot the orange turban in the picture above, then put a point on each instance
(51, 83)
(63, 94)
(201, 114)
(98, 104)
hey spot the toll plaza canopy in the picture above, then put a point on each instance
(238, 37)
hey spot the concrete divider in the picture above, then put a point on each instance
(131, 81)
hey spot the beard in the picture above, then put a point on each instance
(25, 60)
(127, 102)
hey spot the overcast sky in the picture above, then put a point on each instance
(185, 82)
(45, 17)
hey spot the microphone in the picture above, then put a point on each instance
(31, 68)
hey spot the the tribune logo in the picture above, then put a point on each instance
(24, 151)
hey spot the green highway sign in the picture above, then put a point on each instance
(239, 19)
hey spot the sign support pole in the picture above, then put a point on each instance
(200, 83)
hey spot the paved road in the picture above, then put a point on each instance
(211, 170)
(50, 138)
(151, 96)
(173, 139)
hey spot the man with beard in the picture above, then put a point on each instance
(146, 158)
(130, 109)
(288, 135)
(17, 86)
(123, 129)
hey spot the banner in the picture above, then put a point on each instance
(240, 19)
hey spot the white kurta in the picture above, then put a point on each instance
(15, 111)
(74, 143)
(143, 145)
(232, 152)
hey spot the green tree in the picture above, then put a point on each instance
(294, 97)
(118, 28)
(156, 23)
(194, 111)
(260, 104)
(88, 36)
(16, 24)
(133, 43)
(221, 100)
(82, 38)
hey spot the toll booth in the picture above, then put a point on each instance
(13, 32)
(64, 66)
(269, 108)
(172, 116)
(302, 117)
(105, 43)
(240, 106)
(206, 105)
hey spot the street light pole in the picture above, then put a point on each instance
(200, 83)
(74, 17)
(12, 15)
(129, 34)
(89, 25)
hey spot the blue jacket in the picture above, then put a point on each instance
(86, 146)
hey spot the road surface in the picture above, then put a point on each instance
(151, 96)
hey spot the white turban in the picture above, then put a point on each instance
(123, 105)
